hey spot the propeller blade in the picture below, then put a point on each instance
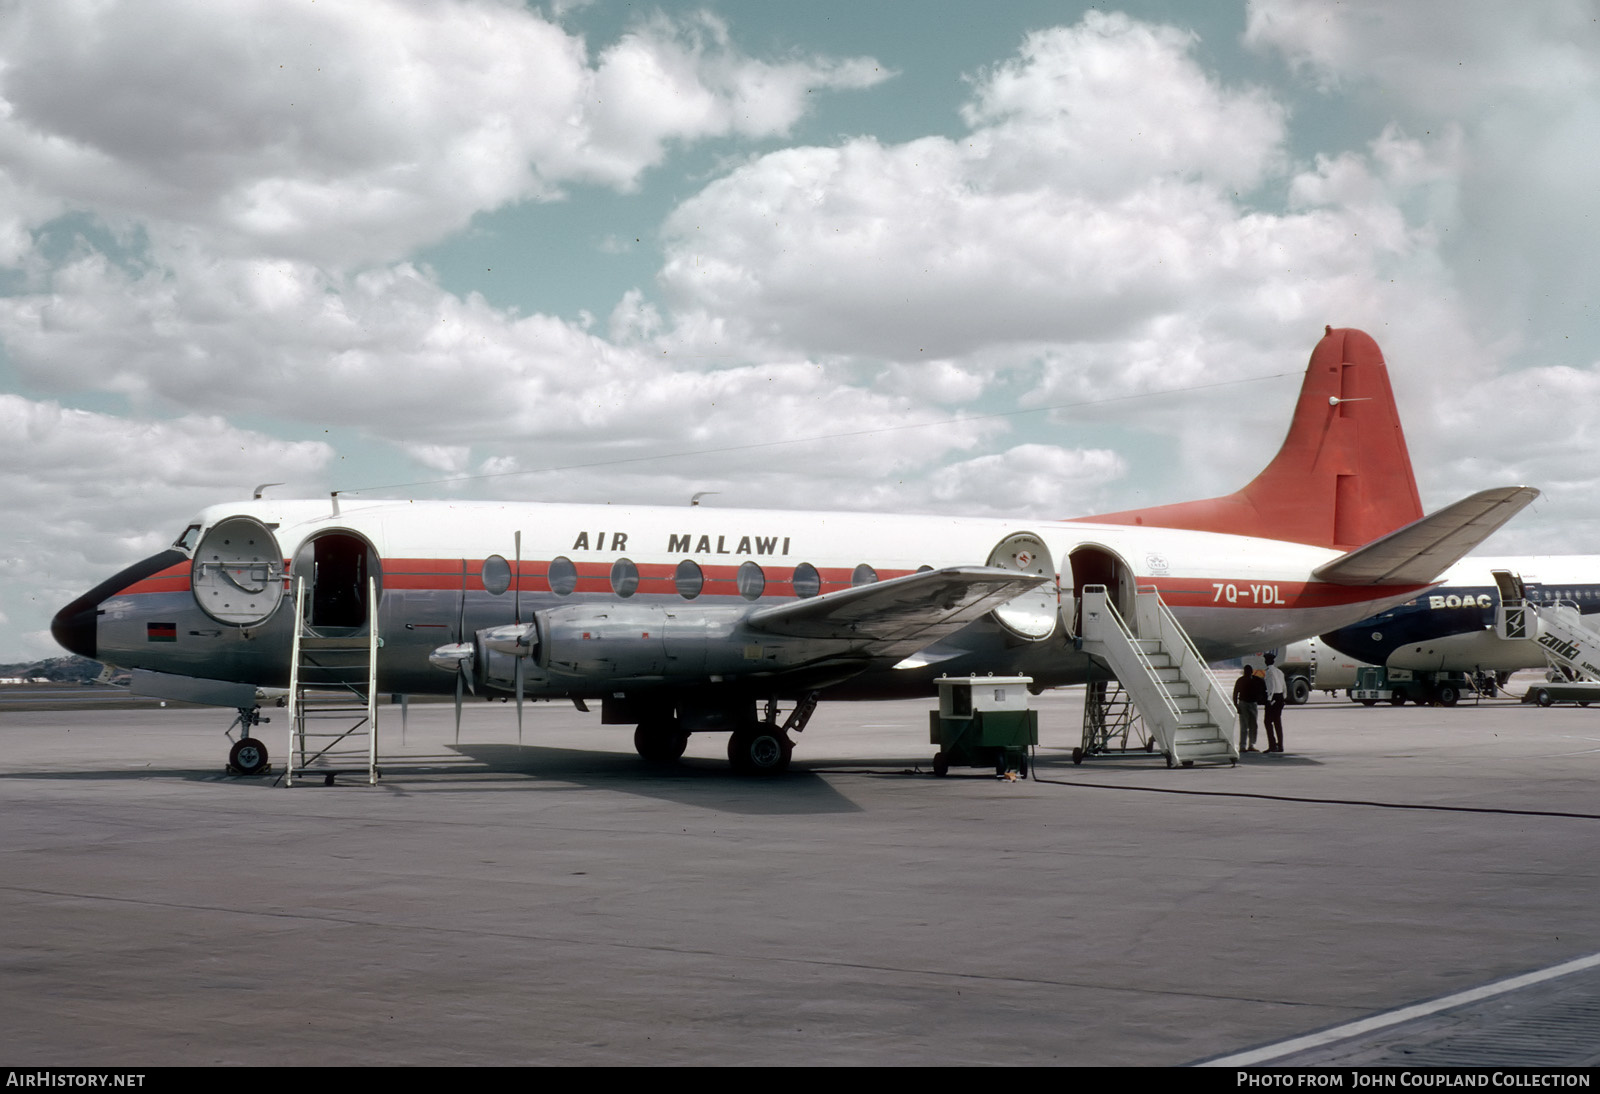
(460, 677)
(519, 700)
(405, 707)
(516, 597)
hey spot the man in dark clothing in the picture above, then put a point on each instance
(1248, 692)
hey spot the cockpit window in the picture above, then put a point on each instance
(190, 537)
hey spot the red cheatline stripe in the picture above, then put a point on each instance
(443, 574)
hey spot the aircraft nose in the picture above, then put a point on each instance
(74, 627)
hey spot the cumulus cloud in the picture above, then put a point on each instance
(352, 133)
(1098, 187)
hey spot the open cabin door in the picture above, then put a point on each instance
(1092, 564)
(336, 566)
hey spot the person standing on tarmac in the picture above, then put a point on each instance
(1245, 692)
(1276, 692)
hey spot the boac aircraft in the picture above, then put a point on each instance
(696, 619)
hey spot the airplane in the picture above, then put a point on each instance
(683, 620)
(1451, 628)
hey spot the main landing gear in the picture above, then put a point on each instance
(759, 745)
(761, 749)
(661, 740)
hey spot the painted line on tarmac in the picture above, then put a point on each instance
(1396, 1017)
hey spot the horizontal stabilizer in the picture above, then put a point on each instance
(1424, 549)
(886, 615)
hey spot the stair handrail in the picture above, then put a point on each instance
(1563, 635)
(1218, 703)
(1144, 659)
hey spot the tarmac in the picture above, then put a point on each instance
(559, 901)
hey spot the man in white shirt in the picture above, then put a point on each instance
(1276, 692)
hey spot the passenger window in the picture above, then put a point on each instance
(807, 582)
(496, 574)
(624, 578)
(689, 579)
(752, 581)
(863, 575)
(563, 576)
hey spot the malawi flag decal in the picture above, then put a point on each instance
(161, 632)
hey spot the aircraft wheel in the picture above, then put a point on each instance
(660, 740)
(1447, 695)
(1077, 755)
(248, 756)
(763, 750)
(941, 764)
(1542, 697)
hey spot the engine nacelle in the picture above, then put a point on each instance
(633, 642)
(614, 646)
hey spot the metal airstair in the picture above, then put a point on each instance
(333, 690)
(1186, 714)
(1569, 643)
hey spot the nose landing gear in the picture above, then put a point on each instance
(248, 756)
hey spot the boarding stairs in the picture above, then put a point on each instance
(1570, 644)
(333, 690)
(1185, 711)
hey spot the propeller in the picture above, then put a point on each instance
(516, 601)
(463, 664)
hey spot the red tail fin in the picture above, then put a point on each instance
(1343, 476)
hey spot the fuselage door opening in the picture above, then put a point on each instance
(1092, 564)
(237, 572)
(337, 565)
(1031, 616)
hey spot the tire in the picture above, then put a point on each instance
(660, 740)
(1299, 691)
(1447, 695)
(1077, 755)
(1369, 702)
(248, 756)
(1022, 764)
(762, 750)
(1001, 764)
(1398, 699)
(1542, 697)
(941, 764)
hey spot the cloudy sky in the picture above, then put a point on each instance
(1031, 258)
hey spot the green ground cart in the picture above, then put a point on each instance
(983, 721)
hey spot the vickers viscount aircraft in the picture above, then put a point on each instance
(698, 619)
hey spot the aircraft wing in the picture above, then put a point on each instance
(1424, 549)
(901, 615)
